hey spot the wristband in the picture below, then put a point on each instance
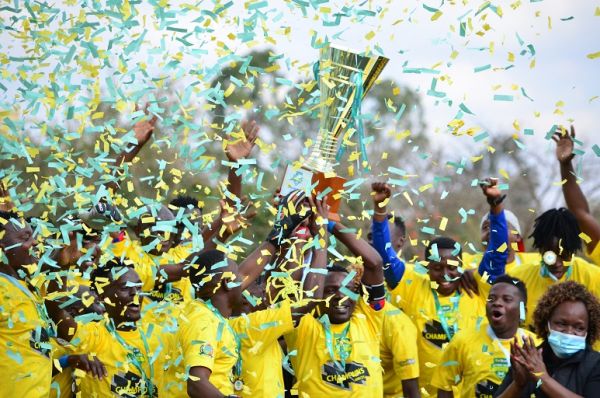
(330, 226)
(64, 361)
(377, 213)
(497, 201)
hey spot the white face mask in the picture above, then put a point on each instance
(565, 345)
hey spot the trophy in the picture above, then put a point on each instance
(344, 78)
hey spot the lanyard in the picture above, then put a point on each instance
(545, 272)
(237, 369)
(442, 314)
(338, 343)
(496, 341)
(133, 354)
(39, 307)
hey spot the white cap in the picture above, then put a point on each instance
(511, 218)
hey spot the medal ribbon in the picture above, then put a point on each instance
(442, 314)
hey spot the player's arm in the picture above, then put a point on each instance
(493, 262)
(199, 386)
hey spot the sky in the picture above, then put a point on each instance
(519, 65)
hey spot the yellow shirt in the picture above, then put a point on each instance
(472, 260)
(62, 382)
(581, 271)
(595, 254)
(262, 355)
(146, 350)
(25, 348)
(399, 354)
(414, 295)
(207, 340)
(318, 376)
(147, 267)
(476, 361)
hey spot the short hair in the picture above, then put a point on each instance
(560, 293)
(8, 215)
(516, 282)
(398, 223)
(185, 202)
(443, 242)
(337, 268)
(557, 223)
(110, 271)
(211, 261)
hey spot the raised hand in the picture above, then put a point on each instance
(6, 203)
(144, 128)
(380, 192)
(318, 219)
(490, 189)
(564, 144)
(238, 148)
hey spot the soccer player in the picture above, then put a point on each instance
(338, 353)
(25, 328)
(214, 346)
(478, 359)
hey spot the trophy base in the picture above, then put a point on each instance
(316, 182)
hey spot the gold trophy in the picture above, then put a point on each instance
(344, 79)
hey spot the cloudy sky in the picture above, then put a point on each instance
(518, 65)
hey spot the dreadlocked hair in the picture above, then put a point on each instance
(558, 224)
(185, 202)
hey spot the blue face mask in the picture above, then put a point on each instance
(565, 345)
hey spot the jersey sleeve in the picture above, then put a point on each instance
(448, 372)
(199, 341)
(399, 335)
(261, 328)
(494, 259)
(89, 338)
(393, 267)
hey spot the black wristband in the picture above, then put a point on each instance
(495, 202)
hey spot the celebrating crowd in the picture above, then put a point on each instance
(158, 304)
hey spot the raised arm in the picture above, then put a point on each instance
(292, 212)
(393, 266)
(576, 201)
(494, 260)
(314, 282)
(237, 148)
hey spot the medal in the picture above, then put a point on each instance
(238, 385)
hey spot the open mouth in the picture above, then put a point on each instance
(496, 315)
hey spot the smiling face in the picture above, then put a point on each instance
(445, 272)
(503, 309)
(340, 307)
(121, 298)
(570, 317)
(17, 242)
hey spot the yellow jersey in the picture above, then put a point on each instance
(417, 298)
(25, 347)
(262, 356)
(531, 274)
(476, 361)
(147, 267)
(472, 260)
(132, 358)
(398, 351)
(595, 255)
(319, 375)
(206, 339)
